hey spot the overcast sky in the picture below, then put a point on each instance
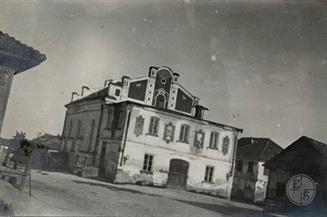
(257, 66)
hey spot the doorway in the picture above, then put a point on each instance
(177, 175)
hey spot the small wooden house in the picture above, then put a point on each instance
(304, 156)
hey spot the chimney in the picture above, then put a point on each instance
(84, 87)
(106, 82)
(74, 94)
(199, 112)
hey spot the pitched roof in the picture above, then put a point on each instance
(49, 141)
(256, 149)
(18, 56)
(303, 143)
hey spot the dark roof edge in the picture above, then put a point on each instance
(289, 148)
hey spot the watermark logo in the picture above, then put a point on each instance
(301, 190)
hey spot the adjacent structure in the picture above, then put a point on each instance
(304, 156)
(15, 57)
(150, 130)
(250, 177)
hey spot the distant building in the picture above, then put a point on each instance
(304, 156)
(150, 130)
(15, 57)
(250, 177)
(52, 142)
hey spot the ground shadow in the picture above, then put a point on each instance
(224, 209)
(115, 188)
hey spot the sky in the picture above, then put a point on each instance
(257, 65)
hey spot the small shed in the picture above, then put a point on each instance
(304, 156)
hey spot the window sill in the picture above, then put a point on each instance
(146, 172)
(185, 142)
(207, 182)
(155, 135)
(211, 148)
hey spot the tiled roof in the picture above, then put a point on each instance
(257, 149)
(18, 56)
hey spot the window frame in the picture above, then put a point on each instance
(184, 133)
(117, 92)
(152, 124)
(214, 140)
(147, 163)
(209, 173)
(280, 189)
(252, 167)
(239, 165)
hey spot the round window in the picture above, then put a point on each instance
(163, 81)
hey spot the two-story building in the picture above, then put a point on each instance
(150, 130)
(250, 176)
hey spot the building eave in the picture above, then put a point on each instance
(16, 56)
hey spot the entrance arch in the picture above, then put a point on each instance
(177, 175)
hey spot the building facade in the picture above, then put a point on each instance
(250, 176)
(305, 156)
(152, 131)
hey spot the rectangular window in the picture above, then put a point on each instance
(250, 167)
(119, 119)
(154, 126)
(117, 92)
(147, 164)
(239, 165)
(183, 136)
(209, 173)
(214, 137)
(280, 189)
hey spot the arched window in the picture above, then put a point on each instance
(160, 101)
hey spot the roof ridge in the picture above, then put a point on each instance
(263, 149)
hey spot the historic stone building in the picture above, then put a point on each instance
(250, 176)
(15, 57)
(149, 130)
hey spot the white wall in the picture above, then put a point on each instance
(137, 146)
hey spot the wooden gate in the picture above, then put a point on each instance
(177, 176)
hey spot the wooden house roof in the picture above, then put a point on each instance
(257, 149)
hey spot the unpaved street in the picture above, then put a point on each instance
(65, 194)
